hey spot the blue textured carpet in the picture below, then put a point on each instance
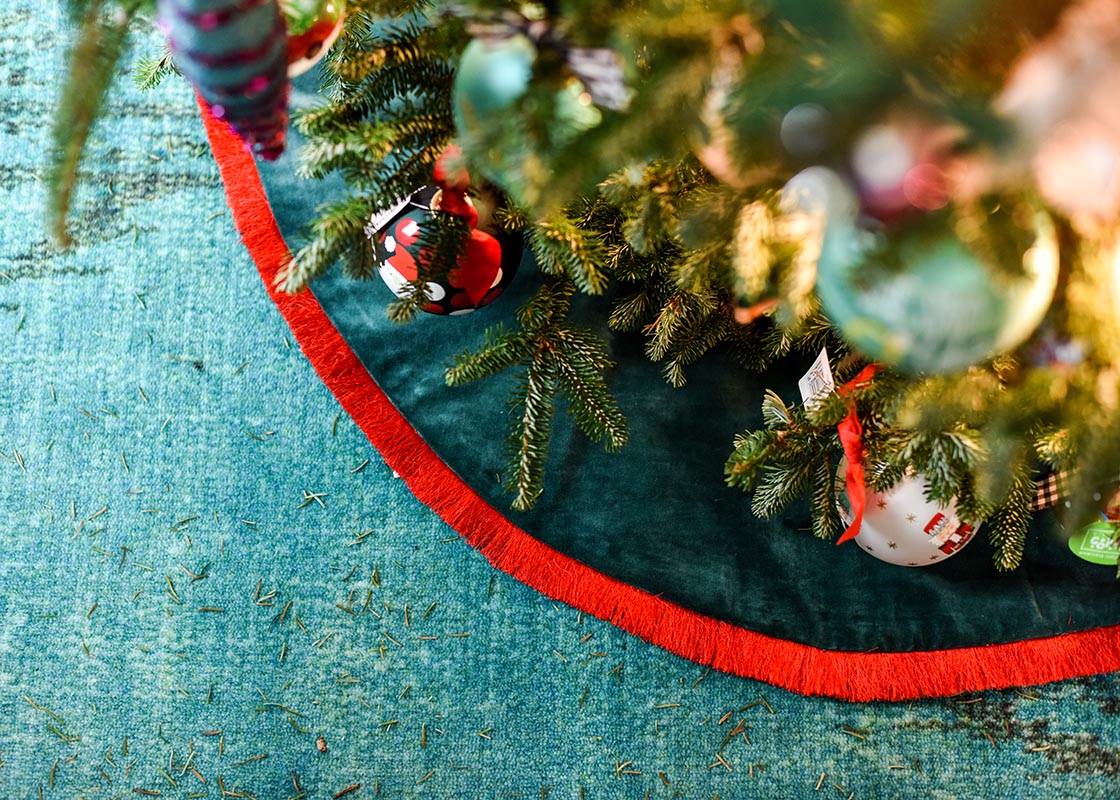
(165, 451)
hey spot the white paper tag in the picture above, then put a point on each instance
(818, 382)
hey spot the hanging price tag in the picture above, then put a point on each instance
(1097, 544)
(817, 383)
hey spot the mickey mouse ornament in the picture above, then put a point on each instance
(486, 267)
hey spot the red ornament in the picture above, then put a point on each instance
(308, 48)
(486, 267)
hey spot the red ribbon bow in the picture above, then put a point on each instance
(851, 438)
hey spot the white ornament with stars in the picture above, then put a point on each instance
(901, 527)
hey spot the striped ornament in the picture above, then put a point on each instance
(235, 54)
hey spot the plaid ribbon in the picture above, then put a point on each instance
(1051, 489)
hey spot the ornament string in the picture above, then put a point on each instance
(851, 438)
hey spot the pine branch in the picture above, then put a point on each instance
(623, 261)
(683, 316)
(752, 450)
(798, 250)
(753, 259)
(1007, 528)
(561, 247)
(809, 336)
(697, 270)
(423, 83)
(1053, 445)
(92, 62)
(702, 233)
(781, 484)
(339, 231)
(549, 304)
(580, 359)
(705, 333)
(825, 515)
(775, 413)
(408, 172)
(370, 44)
(944, 458)
(500, 351)
(970, 505)
(631, 311)
(828, 410)
(994, 477)
(528, 445)
(360, 147)
(746, 345)
(556, 357)
(148, 72)
(1096, 469)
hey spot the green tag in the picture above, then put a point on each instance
(1097, 544)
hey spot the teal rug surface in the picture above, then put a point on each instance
(211, 586)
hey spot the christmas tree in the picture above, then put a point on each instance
(926, 192)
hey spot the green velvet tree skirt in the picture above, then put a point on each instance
(651, 538)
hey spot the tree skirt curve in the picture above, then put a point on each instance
(824, 642)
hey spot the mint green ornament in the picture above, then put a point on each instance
(510, 124)
(492, 76)
(925, 302)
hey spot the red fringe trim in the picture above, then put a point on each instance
(721, 645)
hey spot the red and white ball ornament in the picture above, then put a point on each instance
(902, 527)
(486, 268)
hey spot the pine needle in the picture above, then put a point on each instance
(148, 73)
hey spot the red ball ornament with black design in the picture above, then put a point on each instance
(487, 266)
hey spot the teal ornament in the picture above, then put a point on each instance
(926, 303)
(509, 125)
(492, 76)
(235, 55)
